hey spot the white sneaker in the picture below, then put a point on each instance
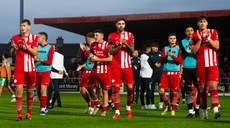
(205, 114)
(149, 106)
(103, 113)
(95, 110)
(153, 107)
(161, 105)
(91, 110)
(13, 100)
(144, 107)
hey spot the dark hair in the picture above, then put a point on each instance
(188, 26)
(6, 55)
(99, 31)
(171, 34)
(44, 34)
(26, 21)
(199, 18)
(119, 19)
(155, 44)
(146, 46)
(90, 34)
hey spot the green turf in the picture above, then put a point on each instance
(71, 115)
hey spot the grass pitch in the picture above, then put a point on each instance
(72, 115)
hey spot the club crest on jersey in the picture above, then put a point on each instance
(21, 46)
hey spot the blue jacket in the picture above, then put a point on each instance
(155, 57)
(136, 63)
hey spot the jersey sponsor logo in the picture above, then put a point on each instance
(42, 51)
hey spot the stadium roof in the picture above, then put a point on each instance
(143, 26)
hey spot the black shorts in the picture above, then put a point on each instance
(189, 76)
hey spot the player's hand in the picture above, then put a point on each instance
(24, 42)
(83, 47)
(123, 41)
(158, 64)
(208, 35)
(60, 72)
(13, 45)
(94, 59)
(169, 53)
(79, 67)
(198, 35)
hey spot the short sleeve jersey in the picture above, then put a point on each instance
(101, 51)
(122, 58)
(23, 60)
(206, 56)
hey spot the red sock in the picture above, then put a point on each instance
(104, 108)
(116, 97)
(30, 101)
(97, 102)
(214, 98)
(193, 98)
(86, 97)
(129, 96)
(117, 106)
(165, 99)
(19, 105)
(43, 100)
(92, 103)
(174, 101)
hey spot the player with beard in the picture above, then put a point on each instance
(121, 46)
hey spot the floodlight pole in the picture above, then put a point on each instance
(21, 12)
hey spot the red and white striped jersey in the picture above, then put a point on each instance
(101, 51)
(206, 56)
(23, 60)
(122, 58)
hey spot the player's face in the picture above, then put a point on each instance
(155, 49)
(172, 40)
(25, 28)
(120, 25)
(98, 37)
(148, 50)
(202, 24)
(135, 53)
(189, 31)
(90, 40)
(41, 38)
